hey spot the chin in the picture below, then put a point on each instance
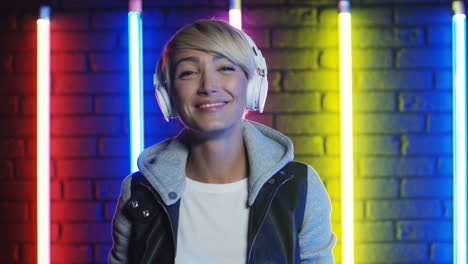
(213, 127)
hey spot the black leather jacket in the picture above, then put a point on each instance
(275, 220)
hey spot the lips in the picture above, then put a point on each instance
(211, 106)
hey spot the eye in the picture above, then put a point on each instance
(227, 68)
(186, 74)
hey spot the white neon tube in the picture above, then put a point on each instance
(346, 116)
(459, 132)
(235, 14)
(43, 136)
(135, 44)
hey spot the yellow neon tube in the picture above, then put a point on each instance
(346, 117)
(43, 136)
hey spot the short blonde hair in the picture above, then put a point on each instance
(214, 36)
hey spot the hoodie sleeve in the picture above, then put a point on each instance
(121, 226)
(316, 239)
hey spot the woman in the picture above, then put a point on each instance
(224, 190)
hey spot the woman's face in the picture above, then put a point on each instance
(210, 91)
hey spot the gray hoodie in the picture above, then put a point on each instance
(268, 151)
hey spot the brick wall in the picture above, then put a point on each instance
(402, 81)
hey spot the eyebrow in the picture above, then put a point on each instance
(197, 60)
(218, 57)
(191, 58)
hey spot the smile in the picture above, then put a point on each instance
(210, 105)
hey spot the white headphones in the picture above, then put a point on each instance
(257, 87)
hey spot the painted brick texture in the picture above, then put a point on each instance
(402, 96)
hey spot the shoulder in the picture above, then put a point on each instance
(132, 187)
(316, 238)
(317, 194)
(125, 190)
(305, 173)
(128, 189)
(314, 180)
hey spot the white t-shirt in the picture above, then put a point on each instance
(213, 223)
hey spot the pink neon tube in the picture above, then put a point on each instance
(43, 136)
(235, 14)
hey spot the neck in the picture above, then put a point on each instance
(218, 159)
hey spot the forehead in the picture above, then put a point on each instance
(195, 55)
(191, 52)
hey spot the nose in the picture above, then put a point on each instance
(209, 84)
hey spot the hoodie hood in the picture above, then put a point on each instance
(163, 164)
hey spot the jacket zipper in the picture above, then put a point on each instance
(263, 219)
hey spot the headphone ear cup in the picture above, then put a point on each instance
(164, 103)
(162, 96)
(257, 87)
(251, 100)
(262, 93)
(256, 93)
(252, 93)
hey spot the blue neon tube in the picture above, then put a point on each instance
(459, 133)
(136, 87)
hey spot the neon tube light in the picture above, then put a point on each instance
(235, 14)
(135, 44)
(43, 136)
(459, 132)
(346, 116)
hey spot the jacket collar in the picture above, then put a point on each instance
(163, 164)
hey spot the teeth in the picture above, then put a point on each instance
(210, 105)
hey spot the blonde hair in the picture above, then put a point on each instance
(214, 36)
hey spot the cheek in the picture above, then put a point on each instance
(242, 91)
(181, 95)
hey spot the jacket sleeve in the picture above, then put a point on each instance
(316, 239)
(121, 226)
